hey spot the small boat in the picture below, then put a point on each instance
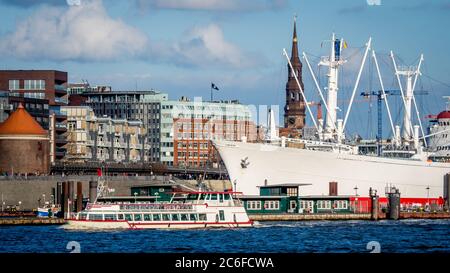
(48, 211)
(190, 210)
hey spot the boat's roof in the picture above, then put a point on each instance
(207, 192)
(285, 185)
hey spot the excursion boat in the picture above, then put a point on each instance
(192, 210)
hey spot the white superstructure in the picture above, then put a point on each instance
(331, 157)
(293, 165)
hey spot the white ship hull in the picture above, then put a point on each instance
(291, 165)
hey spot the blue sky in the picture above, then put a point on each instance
(180, 46)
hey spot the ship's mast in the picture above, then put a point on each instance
(333, 62)
(410, 73)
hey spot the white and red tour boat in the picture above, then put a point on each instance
(192, 210)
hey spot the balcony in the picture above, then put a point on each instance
(58, 114)
(61, 100)
(61, 127)
(61, 139)
(60, 152)
(59, 87)
(104, 144)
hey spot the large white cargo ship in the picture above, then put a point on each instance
(403, 161)
(250, 165)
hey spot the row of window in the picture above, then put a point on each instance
(191, 154)
(304, 204)
(443, 148)
(28, 85)
(326, 204)
(268, 205)
(203, 145)
(146, 217)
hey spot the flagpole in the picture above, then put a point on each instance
(211, 92)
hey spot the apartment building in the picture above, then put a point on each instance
(92, 138)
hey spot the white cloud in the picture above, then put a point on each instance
(86, 33)
(206, 46)
(82, 33)
(212, 5)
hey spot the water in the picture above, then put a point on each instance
(318, 236)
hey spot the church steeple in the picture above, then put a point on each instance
(294, 40)
(294, 110)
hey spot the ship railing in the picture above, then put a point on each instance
(156, 207)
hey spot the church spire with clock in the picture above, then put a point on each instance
(294, 110)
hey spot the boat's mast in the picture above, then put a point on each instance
(409, 73)
(332, 125)
(332, 91)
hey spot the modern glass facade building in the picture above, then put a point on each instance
(179, 132)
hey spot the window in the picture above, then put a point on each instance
(175, 217)
(221, 215)
(110, 217)
(292, 191)
(184, 217)
(166, 217)
(34, 85)
(341, 204)
(120, 216)
(324, 204)
(272, 205)
(147, 217)
(202, 217)
(193, 217)
(138, 217)
(128, 217)
(156, 217)
(14, 84)
(254, 205)
(96, 217)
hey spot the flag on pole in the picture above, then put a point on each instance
(99, 172)
(213, 86)
(345, 44)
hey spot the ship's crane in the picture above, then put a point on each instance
(380, 98)
(319, 108)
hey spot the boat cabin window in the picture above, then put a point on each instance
(221, 198)
(138, 217)
(96, 217)
(147, 217)
(156, 217)
(110, 217)
(192, 197)
(175, 217)
(128, 217)
(184, 217)
(193, 217)
(83, 216)
(120, 216)
(166, 217)
(202, 217)
(227, 197)
(221, 215)
(213, 196)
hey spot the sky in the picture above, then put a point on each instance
(181, 46)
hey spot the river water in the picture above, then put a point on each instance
(406, 236)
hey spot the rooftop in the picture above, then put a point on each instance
(286, 185)
(20, 122)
